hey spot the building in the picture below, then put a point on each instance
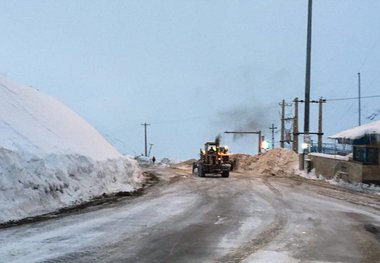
(362, 165)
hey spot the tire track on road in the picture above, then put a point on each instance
(265, 237)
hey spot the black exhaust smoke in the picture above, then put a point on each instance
(246, 118)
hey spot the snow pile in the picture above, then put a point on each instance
(243, 162)
(274, 162)
(51, 158)
(283, 162)
(36, 123)
(143, 160)
(187, 162)
(332, 156)
(146, 161)
(358, 132)
(166, 162)
(355, 186)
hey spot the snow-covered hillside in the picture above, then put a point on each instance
(51, 158)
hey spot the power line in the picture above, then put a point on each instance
(369, 51)
(354, 98)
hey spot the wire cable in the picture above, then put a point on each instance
(354, 98)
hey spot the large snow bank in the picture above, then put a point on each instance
(33, 122)
(359, 131)
(51, 158)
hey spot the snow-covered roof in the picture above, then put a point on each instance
(358, 132)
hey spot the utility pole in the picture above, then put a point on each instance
(248, 132)
(260, 142)
(308, 69)
(320, 133)
(360, 106)
(150, 148)
(282, 140)
(146, 137)
(295, 126)
(285, 136)
(273, 128)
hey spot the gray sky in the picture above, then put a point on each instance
(192, 69)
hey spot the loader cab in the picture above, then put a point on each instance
(211, 152)
(211, 147)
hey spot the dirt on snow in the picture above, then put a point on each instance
(278, 162)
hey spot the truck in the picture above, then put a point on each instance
(214, 159)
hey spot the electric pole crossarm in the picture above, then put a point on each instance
(239, 132)
(248, 132)
(311, 133)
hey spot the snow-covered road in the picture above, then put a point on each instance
(185, 218)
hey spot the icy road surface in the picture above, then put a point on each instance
(185, 218)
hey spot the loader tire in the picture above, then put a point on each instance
(200, 171)
(194, 167)
(225, 174)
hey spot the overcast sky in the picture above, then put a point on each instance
(192, 69)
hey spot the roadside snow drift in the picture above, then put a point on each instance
(51, 158)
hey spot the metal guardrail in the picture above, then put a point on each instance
(332, 148)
